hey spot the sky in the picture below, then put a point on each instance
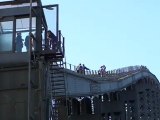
(114, 33)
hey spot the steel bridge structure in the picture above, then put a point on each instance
(38, 84)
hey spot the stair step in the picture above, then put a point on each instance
(57, 73)
(60, 77)
(58, 90)
(58, 86)
(57, 76)
(56, 65)
(58, 93)
(58, 81)
(56, 70)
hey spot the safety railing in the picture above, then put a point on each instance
(58, 47)
(116, 72)
(70, 66)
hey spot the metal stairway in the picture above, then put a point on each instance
(58, 79)
(57, 87)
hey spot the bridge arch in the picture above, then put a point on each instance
(86, 107)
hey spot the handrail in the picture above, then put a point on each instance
(115, 72)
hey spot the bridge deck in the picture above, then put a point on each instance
(86, 85)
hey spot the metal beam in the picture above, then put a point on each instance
(15, 2)
(14, 11)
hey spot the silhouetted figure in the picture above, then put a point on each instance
(31, 38)
(26, 43)
(102, 71)
(19, 42)
(52, 40)
(84, 68)
(80, 68)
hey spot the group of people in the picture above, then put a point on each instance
(81, 68)
(19, 42)
(51, 42)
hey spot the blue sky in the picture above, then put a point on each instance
(116, 33)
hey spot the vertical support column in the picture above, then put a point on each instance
(57, 21)
(70, 109)
(157, 108)
(131, 109)
(29, 62)
(38, 31)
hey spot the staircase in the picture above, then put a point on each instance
(57, 87)
(57, 79)
(56, 84)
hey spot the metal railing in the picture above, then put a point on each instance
(115, 72)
